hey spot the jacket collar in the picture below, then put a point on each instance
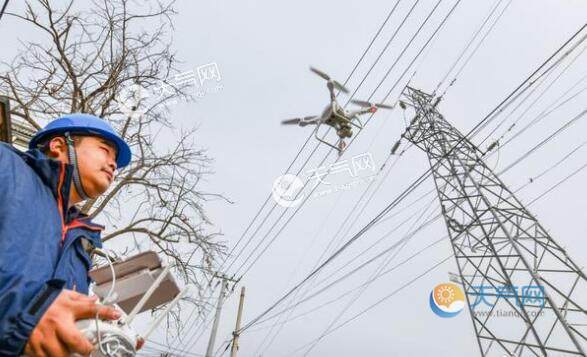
(57, 176)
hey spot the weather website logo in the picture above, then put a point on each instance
(447, 300)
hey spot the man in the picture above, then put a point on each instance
(45, 241)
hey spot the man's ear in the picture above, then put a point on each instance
(57, 148)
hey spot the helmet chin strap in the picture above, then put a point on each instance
(77, 181)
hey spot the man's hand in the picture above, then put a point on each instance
(56, 333)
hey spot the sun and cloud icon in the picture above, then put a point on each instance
(447, 300)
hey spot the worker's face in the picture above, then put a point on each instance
(96, 160)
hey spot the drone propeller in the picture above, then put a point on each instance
(301, 121)
(340, 87)
(320, 73)
(291, 121)
(335, 83)
(365, 104)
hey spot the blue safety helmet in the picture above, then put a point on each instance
(84, 124)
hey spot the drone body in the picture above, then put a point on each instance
(335, 116)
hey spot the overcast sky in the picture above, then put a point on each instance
(263, 49)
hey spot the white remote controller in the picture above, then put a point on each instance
(110, 338)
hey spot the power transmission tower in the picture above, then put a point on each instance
(503, 254)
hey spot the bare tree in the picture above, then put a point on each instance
(97, 58)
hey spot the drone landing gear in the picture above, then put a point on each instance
(343, 131)
(335, 147)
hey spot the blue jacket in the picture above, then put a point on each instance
(41, 242)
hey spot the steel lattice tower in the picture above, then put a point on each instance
(503, 254)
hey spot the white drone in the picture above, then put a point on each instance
(335, 116)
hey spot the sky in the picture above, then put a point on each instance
(263, 50)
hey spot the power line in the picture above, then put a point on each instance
(514, 94)
(475, 49)
(419, 276)
(390, 13)
(310, 136)
(364, 288)
(554, 166)
(368, 72)
(379, 275)
(330, 242)
(408, 45)
(518, 161)
(545, 113)
(475, 34)
(348, 101)
(547, 139)
(311, 284)
(3, 8)
(420, 251)
(415, 58)
(370, 97)
(339, 297)
(405, 71)
(427, 271)
(333, 239)
(410, 235)
(546, 71)
(195, 325)
(159, 347)
(558, 184)
(520, 86)
(542, 93)
(315, 341)
(399, 27)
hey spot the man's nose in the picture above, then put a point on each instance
(112, 165)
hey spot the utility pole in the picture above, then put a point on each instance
(503, 254)
(5, 122)
(236, 333)
(224, 282)
(13, 130)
